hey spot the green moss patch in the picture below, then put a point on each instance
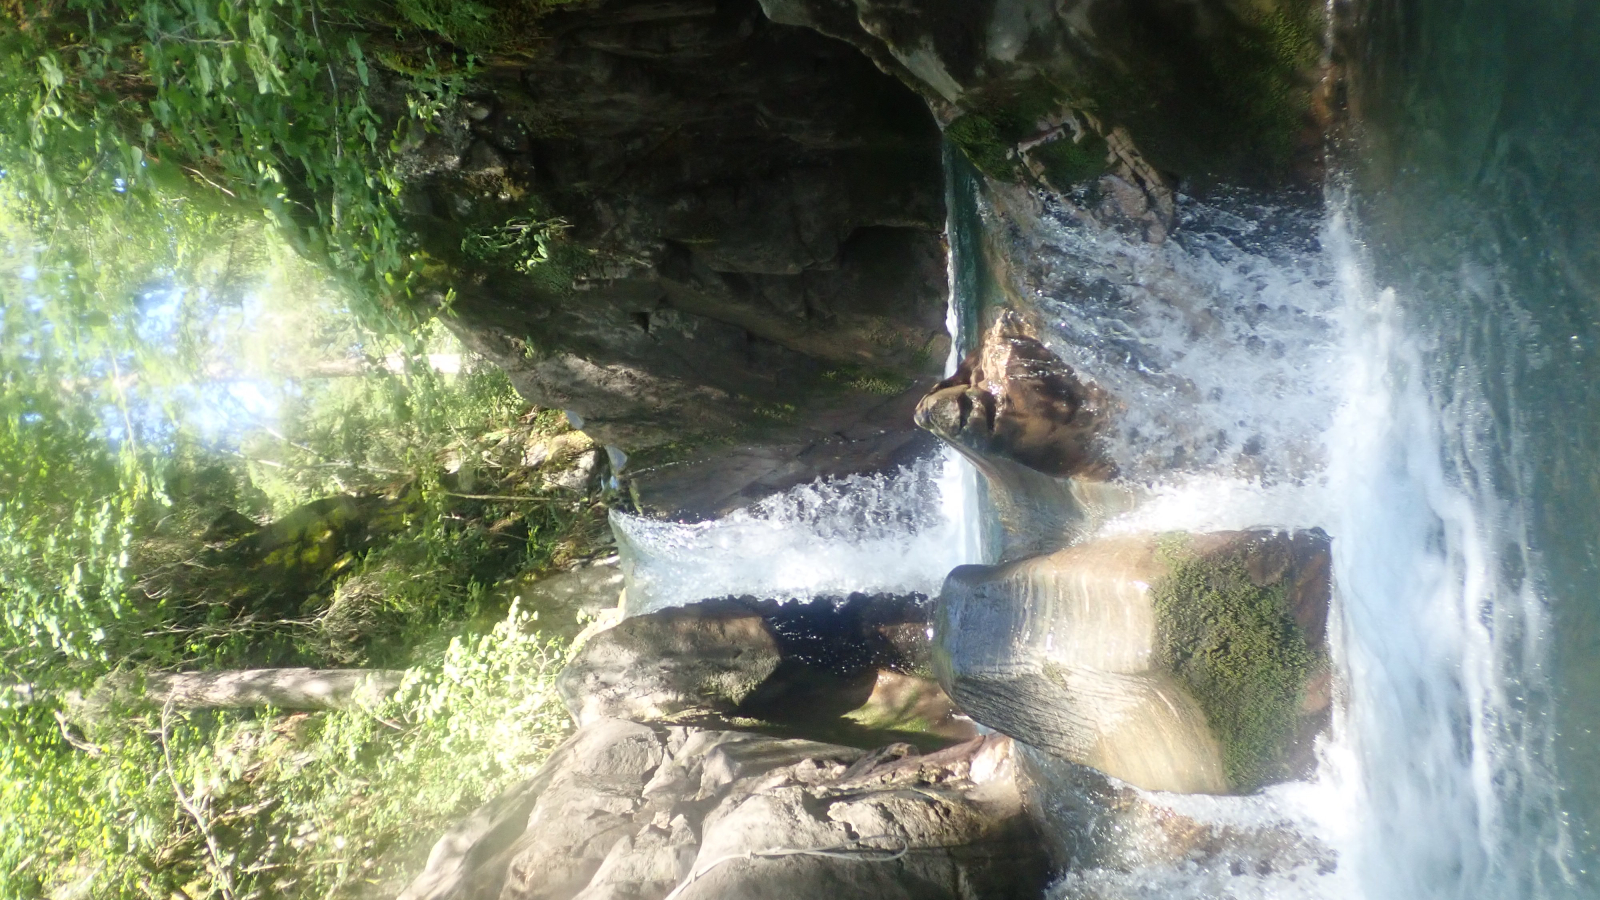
(979, 138)
(989, 139)
(1235, 647)
(1067, 162)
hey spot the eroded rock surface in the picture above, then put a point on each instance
(627, 810)
(743, 271)
(1094, 654)
(854, 671)
(706, 660)
(1014, 399)
(1033, 429)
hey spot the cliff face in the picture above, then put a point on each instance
(713, 230)
(750, 287)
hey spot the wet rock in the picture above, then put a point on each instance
(1223, 92)
(1105, 836)
(900, 702)
(1014, 399)
(623, 810)
(701, 660)
(1032, 428)
(853, 672)
(1194, 665)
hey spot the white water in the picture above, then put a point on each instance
(897, 533)
(1279, 388)
(1435, 631)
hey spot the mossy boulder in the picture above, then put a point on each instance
(1193, 664)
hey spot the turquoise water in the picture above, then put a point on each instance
(1475, 197)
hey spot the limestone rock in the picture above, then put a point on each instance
(625, 811)
(563, 601)
(705, 659)
(1083, 653)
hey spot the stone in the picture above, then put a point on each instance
(1225, 93)
(1033, 429)
(623, 810)
(592, 775)
(1102, 834)
(586, 809)
(907, 703)
(562, 603)
(1015, 399)
(701, 660)
(749, 284)
(894, 825)
(1086, 654)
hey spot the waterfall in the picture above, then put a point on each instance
(1272, 379)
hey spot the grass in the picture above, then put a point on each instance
(338, 804)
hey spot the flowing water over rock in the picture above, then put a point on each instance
(1407, 366)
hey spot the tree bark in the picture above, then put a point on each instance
(296, 688)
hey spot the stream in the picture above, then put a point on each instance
(1409, 365)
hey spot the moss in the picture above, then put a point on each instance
(1234, 646)
(979, 138)
(882, 383)
(1067, 163)
(989, 139)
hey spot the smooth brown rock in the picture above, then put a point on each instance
(626, 811)
(1061, 651)
(1014, 399)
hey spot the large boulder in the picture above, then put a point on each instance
(701, 660)
(852, 671)
(1193, 664)
(627, 811)
(1224, 90)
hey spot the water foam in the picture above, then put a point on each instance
(1437, 622)
(1218, 343)
(899, 532)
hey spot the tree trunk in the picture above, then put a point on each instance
(244, 688)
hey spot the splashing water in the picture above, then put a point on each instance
(884, 533)
(1269, 382)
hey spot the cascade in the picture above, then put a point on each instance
(1350, 365)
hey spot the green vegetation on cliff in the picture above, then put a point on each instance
(117, 116)
(1234, 646)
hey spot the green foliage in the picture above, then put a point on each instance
(1234, 646)
(990, 139)
(1067, 162)
(523, 243)
(866, 381)
(980, 139)
(337, 804)
(113, 103)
